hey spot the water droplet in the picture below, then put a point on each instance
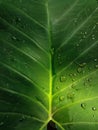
(84, 36)
(62, 78)
(93, 37)
(14, 38)
(79, 70)
(73, 79)
(82, 64)
(89, 79)
(73, 85)
(77, 45)
(96, 66)
(71, 96)
(75, 74)
(83, 105)
(94, 27)
(95, 60)
(18, 19)
(71, 75)
(93, 108)
(85, 32)
(1, 123)
(61, 98)
(57, 87)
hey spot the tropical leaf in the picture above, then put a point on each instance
(48, 64)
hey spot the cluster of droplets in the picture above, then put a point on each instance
(87, 82)
(84, 106)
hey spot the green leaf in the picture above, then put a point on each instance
(48, 64)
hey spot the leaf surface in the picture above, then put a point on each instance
(48, 64)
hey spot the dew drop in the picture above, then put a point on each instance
(89, 79)
(18, 19)
(77, 45)
(73, 79)
(57, 87)
(61, 98)
(96, 66)
(85, 32)
(93, 108)
(71, 96)
(93, 37)
(1, 123)
(82, 65)
(79, 70)
(62, 78)
(73, 85)
(71, 75)
(75, 74)
(14, 38)
(83, 105)
(95, 60)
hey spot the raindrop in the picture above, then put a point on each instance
(83, 71)
(57, 87)
(18, 19)
(83, 105)
(1, 123)
(61, 98)
(94, 27)
(73, 85)
(93, 37)
(14, 38)
(93, 108)
(85, 32)
(75, 74)
(71, 95)
(80, 40)
(71, 75)
(95, 60)
(96, 66)
(79, 70)
(82, 65)
(77, 45)
(62, 79)
(73, 79)
(89, 79)
(84, 36)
